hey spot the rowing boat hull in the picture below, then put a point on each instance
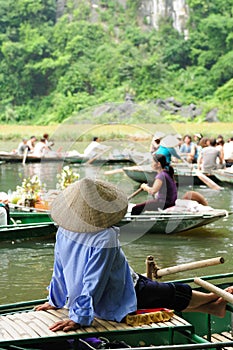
(150, 222)
(147, 175)
(101, 160)
(224, 176)
(26, 225)
(168, 223)
(21, 327)
(28, 231)
(15, 158)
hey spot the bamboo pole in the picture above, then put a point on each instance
(210, 183)
(91, 160)
(212, 288)
(25, 156)
(189, 266)
(115, 171)
(134, 194)
(150, 266)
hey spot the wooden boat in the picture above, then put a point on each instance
(26, 226)
(183, 176)
(168, 222)
(23, 328)
(224, 175)
(64, 157)
(158, 222)
(16, 158)
(98, 160)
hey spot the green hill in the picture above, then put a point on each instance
(62, 58)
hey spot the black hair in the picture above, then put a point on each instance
(213, 142)
(95, 138)
(165, 166)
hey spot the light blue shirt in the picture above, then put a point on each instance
(91, 276)
(167, 152)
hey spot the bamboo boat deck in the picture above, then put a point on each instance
(223, 337)
(21, 327)
(27, 327)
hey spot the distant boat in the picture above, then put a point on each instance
(224, 175)
(183, 175)
(112, 159)
(64, 157)
(16, 158)
(26, 226)
(150, 222)
(168, 222)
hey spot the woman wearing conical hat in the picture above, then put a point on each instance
(91, 274)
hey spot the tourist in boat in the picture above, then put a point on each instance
(210, 158)
(4, 209)
(155, 142)
(220, 146)
(163, 189)
(91, 274)
(167, 148)
(22, 147)
(188, 150)
(228, 152)
(31, 143)
(196, 140)
(94, 148)
(40, 149)
(48, 142)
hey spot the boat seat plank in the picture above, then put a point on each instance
(4, 334)
(179, 320)
(222, 337)
(228, 335)
(120, 325)
(61, 314)
(32, 320)
(27, 329)
(35, 324)
(107, 326)
(48, 316)
(13, 329)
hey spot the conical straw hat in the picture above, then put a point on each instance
(169, 141)
(89, 206)
(158, 135)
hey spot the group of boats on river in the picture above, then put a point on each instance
(23, 328)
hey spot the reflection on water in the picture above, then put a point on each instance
(26, 267)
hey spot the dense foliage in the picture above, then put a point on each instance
(53, 65)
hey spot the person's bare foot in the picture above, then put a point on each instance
(45, 306)
(229, 289)
(217, 308)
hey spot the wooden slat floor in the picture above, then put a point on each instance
(222, 337)
(35, 324)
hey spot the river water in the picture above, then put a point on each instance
(26, 266)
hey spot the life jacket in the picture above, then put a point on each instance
(6, 207)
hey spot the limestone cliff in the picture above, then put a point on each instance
(151, 10)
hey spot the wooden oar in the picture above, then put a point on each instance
(98, 155)
(206, 180)
(152, 270)
(189, 266)
(135, 193)
(212, 288)
(25, 156)
(210, 183)
(112, 172)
